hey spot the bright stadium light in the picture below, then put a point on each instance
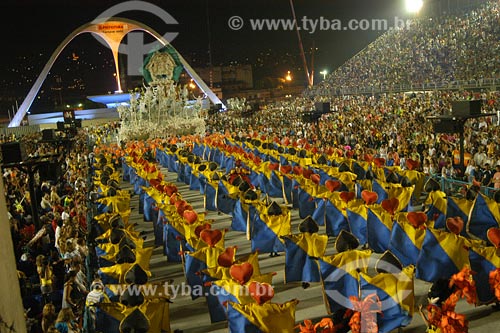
(414, 6)
(324, 73)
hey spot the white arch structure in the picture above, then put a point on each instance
(112, 32)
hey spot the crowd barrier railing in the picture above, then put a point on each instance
(456, 186)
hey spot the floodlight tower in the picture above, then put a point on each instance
(414, 6)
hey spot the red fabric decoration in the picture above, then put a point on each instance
(211, 237)
(261, 292)
(241, 273)
(369, 197)
(390, 205)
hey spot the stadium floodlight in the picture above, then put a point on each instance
(414, 6)
(324, 72)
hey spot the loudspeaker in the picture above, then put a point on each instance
(48, 135)
(322, 107)
(447, 126)
(49, 171)
(463, 109)
(13, 152)
(214, 109)
(310, 117)
(60, 126)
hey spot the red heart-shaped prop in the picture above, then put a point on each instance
(156, 183)
(181, 206)
(416, 219)
(190, 216)
(390, 205)
(333, 185)
(261, 292)
(180, 203)
(315, 178)
(169, 190)
(380, 162)
(286, 168)
(297, 170)
(347, 196)
(241, 273)
(455, 224)
(369, 197)
(274, 166)
(211, 237)
(226, 258)
(200, 228)
(174, 198)
(412, 164)
(307, 173)
(493, 235)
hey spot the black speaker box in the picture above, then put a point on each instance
(322, 107)
(49, 171)
(13, 152)
(447, 126)
(311, 117)
(48, 135)
(463, 109)
(60, 126)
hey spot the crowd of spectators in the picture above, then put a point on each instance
(442, 49)
(392, 126)
(51, 252)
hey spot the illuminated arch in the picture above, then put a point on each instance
(112, 32)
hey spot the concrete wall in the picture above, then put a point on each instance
(11, 307)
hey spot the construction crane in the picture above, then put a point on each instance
(309, 75)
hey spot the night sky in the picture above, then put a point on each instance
(41, 25)
(33, 27)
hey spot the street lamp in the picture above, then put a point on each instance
(414, 6)
(324, 72)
